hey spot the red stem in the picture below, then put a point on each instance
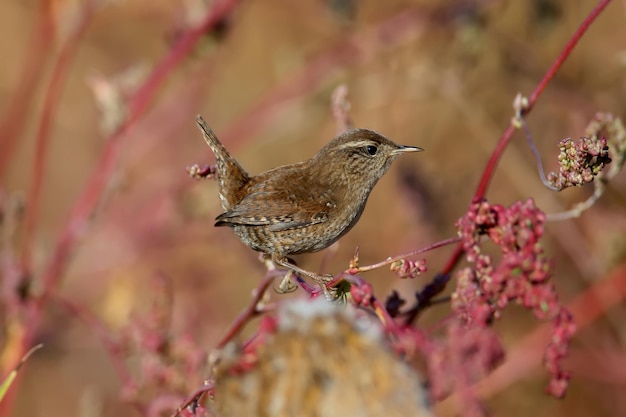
(436, 245)
(96, 184)
(51, 98)
(38, 51)
(532, 100)
(185, 44)
(349, 51)
(86, 203)
(250, 311)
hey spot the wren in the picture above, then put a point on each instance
(303, 207)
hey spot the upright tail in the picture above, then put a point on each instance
(232, 177)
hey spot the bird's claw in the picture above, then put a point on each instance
(286, 284)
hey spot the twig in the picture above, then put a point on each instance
(388, 322)
(38, 52)
(251, 311)
(194, 398)
(6, 383)
(508, 133)
(531, 144)
(580, 208)
(51, 98)
(88, 200)
(390, 260)
(349, 51)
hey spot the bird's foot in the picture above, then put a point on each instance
(287, 285)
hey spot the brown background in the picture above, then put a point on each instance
(442, 77)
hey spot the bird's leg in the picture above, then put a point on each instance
(285, 263)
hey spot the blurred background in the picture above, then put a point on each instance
(439, 75)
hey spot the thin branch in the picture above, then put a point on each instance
(522, 121)
(508, 133)
(194, 398)
(532, 100)
(388, 322)
(580, 208)
(143, 97)
(390, 260)
(52, 96)
(38, 51)
(349, 51)
(88, 200)
(251, 311)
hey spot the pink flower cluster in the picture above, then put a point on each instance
(462, 358)
(579, 162)
(521, 274)
(406, 268)
(169, 365)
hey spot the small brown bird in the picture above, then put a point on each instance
(303, 207)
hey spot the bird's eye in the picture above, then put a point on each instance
(371, 150)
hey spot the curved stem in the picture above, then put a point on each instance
(504, 140)
(580, 208)
(96, 185)
(251, 311)
(532, 100)
(38, 52)
(533, 148)
(354, 271)
(52, 97)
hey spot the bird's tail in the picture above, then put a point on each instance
(232, 177)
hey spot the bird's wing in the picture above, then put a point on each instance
(276, 208)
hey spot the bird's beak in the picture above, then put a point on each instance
(403, 149)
